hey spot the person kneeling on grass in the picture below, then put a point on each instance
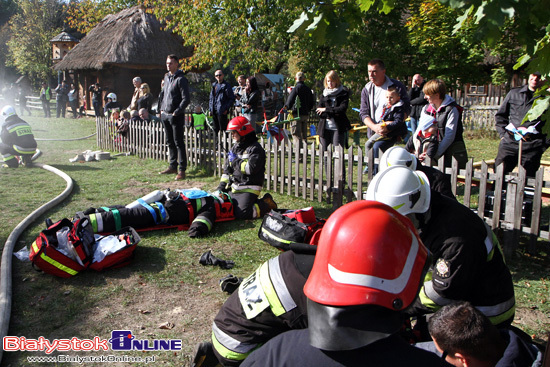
(244, 171)
(16, 139)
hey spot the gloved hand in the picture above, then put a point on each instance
(222, 186)
(231, 156)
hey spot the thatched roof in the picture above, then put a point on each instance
(131, 39)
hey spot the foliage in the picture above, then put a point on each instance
(248, 35)
(531, 19)
(86, 14)
(29, 49)
(452, 57)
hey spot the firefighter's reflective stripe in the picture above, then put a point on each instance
(229, 347)
(496, 313)
(203, 219)
(500, 312)
(256, 211)
(21, 129)
(53, 262)
(253, 189)
(224, 178)
(426, 301)
(97, 222)
(22, 150)
(8, 156)
(265, 288)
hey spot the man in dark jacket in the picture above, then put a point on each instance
(222, 99)
(509, 126)
(418, 101)
(468, 338)
(306, 102)
(16, 138)
(173, 100)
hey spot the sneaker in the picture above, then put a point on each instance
(168, 171)
(268, 199)
(180, 176)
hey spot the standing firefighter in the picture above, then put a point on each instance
(244, 171)
(17, 139)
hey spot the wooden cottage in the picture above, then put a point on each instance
(121, 47)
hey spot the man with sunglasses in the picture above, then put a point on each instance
(222, 99)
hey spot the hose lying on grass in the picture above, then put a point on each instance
(7, 254)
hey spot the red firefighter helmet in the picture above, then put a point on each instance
(368, 254)
(241, 125)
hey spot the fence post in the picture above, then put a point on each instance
(482, 190)
(535, 215)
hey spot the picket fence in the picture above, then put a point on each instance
(336, 176)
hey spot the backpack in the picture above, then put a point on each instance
(280, 230)
(64, 248)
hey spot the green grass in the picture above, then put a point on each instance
(165, 277)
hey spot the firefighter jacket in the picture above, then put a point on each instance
(17, 134)
(267, 303)
(245, 167)
(293, 349)
(468, 263)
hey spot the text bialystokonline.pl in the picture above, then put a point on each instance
(90, 359)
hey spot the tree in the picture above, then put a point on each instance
(29, 49)
(453, 57)
(250, 35)
(86, 14)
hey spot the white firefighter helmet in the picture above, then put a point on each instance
(404, 190)
(112, 96)
(397, 156)
(7, 111)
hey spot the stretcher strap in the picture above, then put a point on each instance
(116, 216)
(150, 208)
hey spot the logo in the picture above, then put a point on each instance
(125, 340)
(121, 340)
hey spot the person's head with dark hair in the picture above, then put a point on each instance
(377, 72)
(466, 336)
(251, 84)
(172, 63)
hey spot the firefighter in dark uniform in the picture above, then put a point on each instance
(468, 261)
(17, 139)
(268, 302)
(508, 118)
(244, 170)
(357, 291)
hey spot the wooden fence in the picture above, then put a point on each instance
(336, 176)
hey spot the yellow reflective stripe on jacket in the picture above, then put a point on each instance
(274, 302)
(53, 262)
(424, 299)
(265, 288)
(229, 347)
(93, 220)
